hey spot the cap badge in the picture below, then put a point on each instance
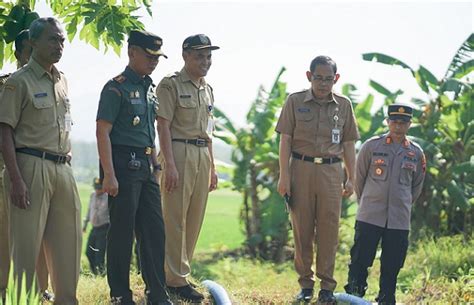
(378, 171)
(401, 109)
(136, 120)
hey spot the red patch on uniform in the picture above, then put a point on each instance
(388, 140)
(379, 161)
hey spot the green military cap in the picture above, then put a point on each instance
(400, 112)
(198, 42)
(97, 183)
(149, 42)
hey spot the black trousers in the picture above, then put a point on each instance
(394, 250)
(95, 251)
(135, 212)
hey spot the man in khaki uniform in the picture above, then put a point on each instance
(185, 125)
(389, 178)
(22, 55)
(35, 122)
(317, 129)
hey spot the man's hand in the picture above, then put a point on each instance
(214, 181)
(348, 188)
(171, 177)
(110, 185)
(284, 185)
(19, 194)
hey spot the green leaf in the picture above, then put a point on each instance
(463, 55)
(385, 59)
(421, 82)
(428, 76)
(457, 195)
(363, 114)
(464, 69)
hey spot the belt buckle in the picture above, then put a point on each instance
(200, 142)
(148, 150)
(318, 160)
(61, 159)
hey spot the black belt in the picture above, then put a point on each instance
(43, 155)
(316, 160)
(138, 150)
(197, 142)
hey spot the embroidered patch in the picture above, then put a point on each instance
(411, 153)
(379, 154)
(378, 171)
(136, 101)
(379, 161)
(304, 110)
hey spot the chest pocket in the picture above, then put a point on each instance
(304, 120)
(43, 106)
(187, 111)
(379, 168)
(406, 172)
(137, 106)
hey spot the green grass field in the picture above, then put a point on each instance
(435, 272)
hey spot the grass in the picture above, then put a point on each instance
(436, 271)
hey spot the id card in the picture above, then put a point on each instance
(210, 126)
(67, 122)
(336, 136)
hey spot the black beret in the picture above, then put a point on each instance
(400, 112)
(151, 43)
(198, 42)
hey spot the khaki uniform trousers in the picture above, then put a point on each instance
(53, 218)
(316, 194)
(41, 268)
(183, 210)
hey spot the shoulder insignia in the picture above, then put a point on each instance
(120, 78)
(3, 78)
(375, 138)
(115, 90)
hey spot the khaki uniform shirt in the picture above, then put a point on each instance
(3, 79)
(310, 124)
(389, 178)
(34, 103)
(186, 104)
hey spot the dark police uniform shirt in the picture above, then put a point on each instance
(389, 178)
(129, 102)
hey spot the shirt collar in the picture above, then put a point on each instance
(135, 78)
(185, 78)
(405, 142)
(39, 71)
(309, 97)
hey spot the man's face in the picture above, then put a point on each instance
(142, 62)
(48, 48)
(197, 62)
(322, 80)
(398, 127)
(24, 56)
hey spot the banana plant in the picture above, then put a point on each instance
(255, 154)
(444, 126)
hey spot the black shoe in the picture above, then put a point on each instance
(383, 299)
(121, 301)
(326, 297)
(47, 296)
(305, 295)
(355, 290)
(187, 293)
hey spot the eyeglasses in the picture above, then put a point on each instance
(320, 79)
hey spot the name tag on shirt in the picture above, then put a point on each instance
(304, 110)
(136, 101)
(185, 96)
(41, 94)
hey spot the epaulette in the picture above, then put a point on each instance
(340, 96)
(416, 145)
(120, 78)
(171, 75)
(3, 78)
(378, 137)
(298, 92)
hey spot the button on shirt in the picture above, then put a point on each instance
(310, 124)
(34, 103)
(388, 181)
(186, 104)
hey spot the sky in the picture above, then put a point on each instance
(258, 37)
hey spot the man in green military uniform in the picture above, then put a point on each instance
(318, 130)
(185, 126)
(126, 143)
(22, 55)
(389, 177)
(44, 202)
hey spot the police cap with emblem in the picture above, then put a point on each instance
(198, 42)
(400, 112)
(149, 42)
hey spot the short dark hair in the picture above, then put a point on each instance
(323, 60)
(24, 35)
(37, 26)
